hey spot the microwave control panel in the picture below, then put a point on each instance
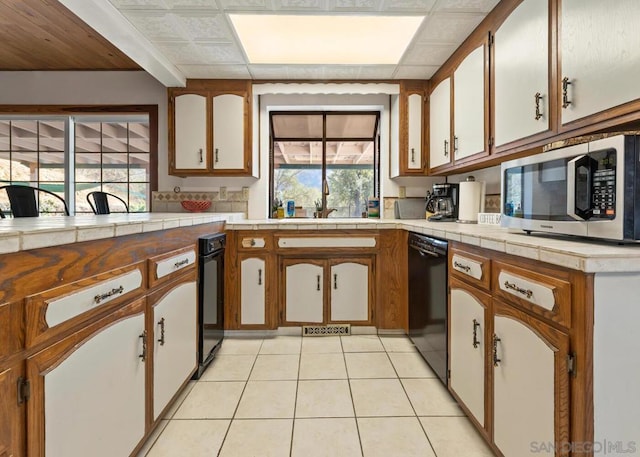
(604, 184)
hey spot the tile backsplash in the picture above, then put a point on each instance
(169, 201)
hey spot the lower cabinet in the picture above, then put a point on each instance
(322, 290)
(468, 316)
(253, 291)
(12, 411)
(530, 384)
(88, 389)
(174, 336)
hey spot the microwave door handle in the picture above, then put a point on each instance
(576, 186)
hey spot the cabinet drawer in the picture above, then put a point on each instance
(166, 267)
(254, 241)
(51, 312)
(472, 268)
(544, 294)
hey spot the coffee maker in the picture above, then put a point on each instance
(444, 201)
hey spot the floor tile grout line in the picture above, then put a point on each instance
(235, 411)
(295, 401)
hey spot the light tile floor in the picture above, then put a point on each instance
(350, 396)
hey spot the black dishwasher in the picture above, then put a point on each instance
(428, 300)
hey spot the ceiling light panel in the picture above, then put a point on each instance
(301, 39)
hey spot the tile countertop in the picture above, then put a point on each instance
(38, 232)
(579, 254)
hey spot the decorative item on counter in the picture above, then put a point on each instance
(276, 208)
(489, 218)
(318, 212)
(290, 208)
(471, 200)
(373, 207)
(196, 206)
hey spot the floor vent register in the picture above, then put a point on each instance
(326, 330)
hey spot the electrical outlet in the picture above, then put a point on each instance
(402, 192)
(245, 194)
(222, 195)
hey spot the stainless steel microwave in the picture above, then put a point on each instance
(590, 189)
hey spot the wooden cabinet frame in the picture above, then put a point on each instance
(407, 88)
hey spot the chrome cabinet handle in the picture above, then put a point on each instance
(476, 324)
(455, 144)
(253, 242)
(115, 291)
(318, 284)
(217, 155)
(260, 276)
(538, 97)
(143, 336)
(496, 360)
(565, 89)
(335, 281)
(413, 155)
(200, 152)
(161, 324)
(513, 286)
(180, 263)
(446, 147)
(462, 266)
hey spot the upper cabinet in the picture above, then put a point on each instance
(210, 129)
(440, 125)
(521, 74)
(411, 157)
(599, 59)
(470, 93)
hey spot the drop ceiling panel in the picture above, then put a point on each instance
(415, 71)
(428, 54)
(448, 28)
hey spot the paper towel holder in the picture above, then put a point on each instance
(471, 200)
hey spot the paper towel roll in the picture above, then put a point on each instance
(471, 201)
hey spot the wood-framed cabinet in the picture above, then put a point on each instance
(412, 133)
(318, 290)
(254, 278)
(210, 129)
(12, 410)
(440, 125)
(89, 387)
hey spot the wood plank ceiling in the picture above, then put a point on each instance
(44, 35)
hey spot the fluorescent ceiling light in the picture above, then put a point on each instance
(354, 40)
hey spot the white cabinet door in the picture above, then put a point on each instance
(252, 291)
(175, 342)
(440, 124)
(521, 72)
(228, 132)
(304, 293)
(523, 390)
(349, 292)
(94, 399)
(191, 131)
(414, 158)
(469, 104)
(467, 350)
(600, 52)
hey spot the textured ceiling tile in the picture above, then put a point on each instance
(481, 6)
(305, 71)
(448, 27)
(204, 27)
(377, 71)
(215, 71)
(139, 4)
(417, 6)
(300, 5)
(341, 71)
(180, 53)
(355, 5)
(268, 71)
(156, 26)
(428, 54)
(415, 72)
(246, 5)
(213, 53)
(192, 4)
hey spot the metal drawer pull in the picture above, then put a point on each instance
(200, 152)
(260, 276)
(413, 155)
(180, 263)
(116, 291)
(565, 96)
(217, 155)
(520, 290)
(161, 324)
(476, 325)
(538, 97)
(143, 356)
(318, 285)
(335, 281)
(496, 360)
(455, 144)
(462, 266)
(446, 148)
(253, 242)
